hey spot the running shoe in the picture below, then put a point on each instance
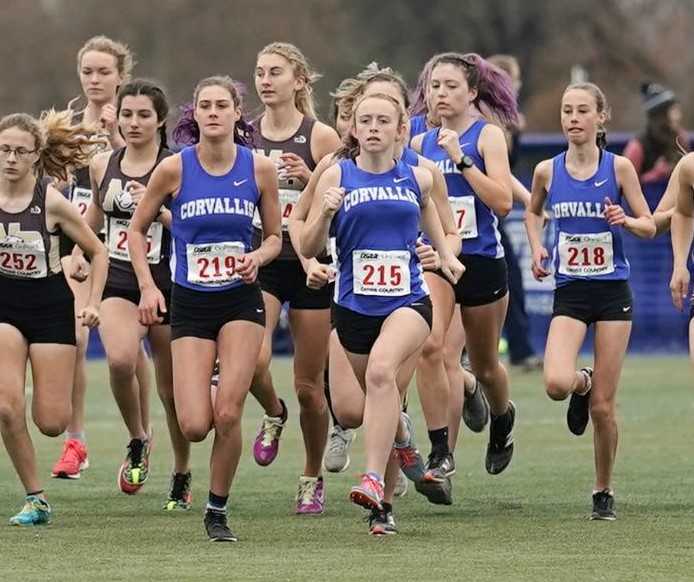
(603, 506)
(382, 522)
(337, 456)
(368, 494)
(476, 409)
(180, 495)
(411, 462)
(135, 468)
(72, 460)
(267, 443)
(217, 528)
(310, 497)
(436, 484)
(36, 511)
(500, 447)
(401, 485)
(578, 413)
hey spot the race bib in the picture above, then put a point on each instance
(288, 200)
(382, 273)
(586, 255)
(25, 260)
(463, 208)
(81, 197)
(118, 240)
(213, 264)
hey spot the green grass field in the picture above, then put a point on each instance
(526, 524)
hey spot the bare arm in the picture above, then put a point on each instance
(165, 180)
(439, 195)
(534, 218)
(269, 210)
(641, 224)
(431, 224)
(65, 215)
(666, 207)
(682, 229)
(325, 204)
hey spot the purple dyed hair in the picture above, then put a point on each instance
(419, 95)
(187, 131)
(494, 88)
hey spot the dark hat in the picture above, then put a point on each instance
(656, 96)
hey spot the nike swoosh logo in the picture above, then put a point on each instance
(598, 184)
(467, 143)
(417, 304)
(398, 180)
(626, 309)
(498, 291)
(258, 310)
(239, 182)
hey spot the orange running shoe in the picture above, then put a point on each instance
(72, 460)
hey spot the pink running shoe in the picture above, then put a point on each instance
(310, 498)
(369, 493)
(72, 460)
(267, 443)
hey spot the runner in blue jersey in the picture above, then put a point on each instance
(214, 188)
(344, 385)
(422, 117)
(289, 133)
(585, 187)
(676, 211)
(473, 157)
(372, 205)
(119, 180)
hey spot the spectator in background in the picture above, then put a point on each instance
(655, 152)
(516, 328)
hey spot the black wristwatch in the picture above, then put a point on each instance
(465, 163)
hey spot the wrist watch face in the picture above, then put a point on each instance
(467, 162)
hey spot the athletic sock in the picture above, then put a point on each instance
(439, 440)
(78, 436)
(217, 502)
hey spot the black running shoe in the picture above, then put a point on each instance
(578, 413)
(437, 492)
(180, 496)
(476, 410)
(500, 447)
(217, 528)
(603, 506)
(436, 484)
(382, 522)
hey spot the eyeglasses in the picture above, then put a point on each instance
(20, 153)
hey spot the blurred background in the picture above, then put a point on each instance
(619, 44)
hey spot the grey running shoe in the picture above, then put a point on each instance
(411, 462)
(476, 409)
(337, 456)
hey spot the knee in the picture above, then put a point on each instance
(11, 412)
(194, 430)
(558, 386)
(602, 410)
(227, 418)
(380, 377)
(433, 349)
(53, 424)
(121, 366)
(310, 394)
